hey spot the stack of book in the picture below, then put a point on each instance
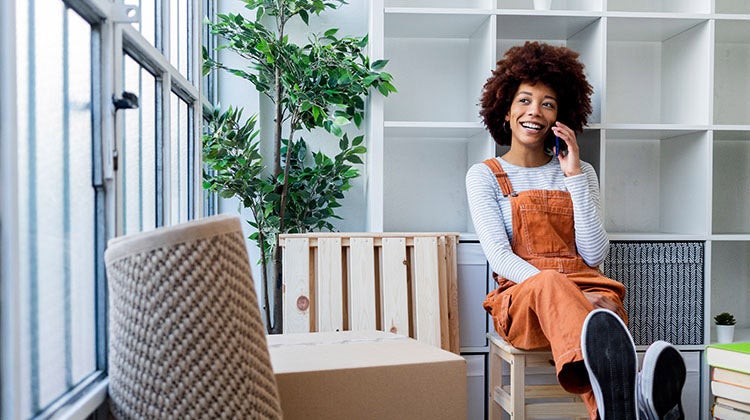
(730, 380)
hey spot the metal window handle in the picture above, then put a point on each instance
(129, 100)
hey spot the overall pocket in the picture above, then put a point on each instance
(548, 231)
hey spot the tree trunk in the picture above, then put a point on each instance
(278, 313)
(278, 322)
(264, 279)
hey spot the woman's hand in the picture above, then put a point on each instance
(570, 161)
(600, 301)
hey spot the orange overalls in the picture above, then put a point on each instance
(547, 310)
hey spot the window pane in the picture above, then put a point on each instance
(138, 155)
(56, 201)
(146, 26)
(180, 159)
(179, 36)
(82, 204)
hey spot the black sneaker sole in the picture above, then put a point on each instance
(609, 354)
(669, 378)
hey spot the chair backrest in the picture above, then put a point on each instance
(186, 338)
(405, 283)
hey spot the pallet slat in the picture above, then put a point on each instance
(362, 284)
(427, 291)
(452, 280)
(330, 310)
(393, 289)
(402, 283)
(296, 286)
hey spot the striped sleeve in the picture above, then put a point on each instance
(484, 198)
(591, 238)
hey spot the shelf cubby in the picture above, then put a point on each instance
(579, 5)
(447, 4)
(731, 69)
(732, 6)
(659, 6)
(424, 172)
(582, 34)
(439, 63)
(655, 181)
(658, 71)
(730, 282)
(731, 178)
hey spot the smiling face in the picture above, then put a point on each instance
(532, 114)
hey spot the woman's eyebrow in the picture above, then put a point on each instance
(523, 92)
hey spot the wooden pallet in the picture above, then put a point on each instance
(403, 283)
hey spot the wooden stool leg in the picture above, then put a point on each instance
(496, 377)
(517, 387)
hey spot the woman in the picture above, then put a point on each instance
(536, 213)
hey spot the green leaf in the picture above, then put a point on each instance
(340, 121)
(330, 32)
(358, 140)
(354, 159)
(379, 64)
(305, 17)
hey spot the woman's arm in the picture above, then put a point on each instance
(591, 238)
(483, 194)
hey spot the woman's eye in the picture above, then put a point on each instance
(524, 101)
(549, 105)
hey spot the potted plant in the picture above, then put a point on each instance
(724, 327)
(321, 84)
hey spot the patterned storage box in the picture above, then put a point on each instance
(664, 283)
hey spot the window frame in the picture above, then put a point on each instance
(112, 36)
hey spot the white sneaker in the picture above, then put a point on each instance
(609, 355)
(660, 382)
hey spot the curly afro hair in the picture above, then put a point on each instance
(556, 67)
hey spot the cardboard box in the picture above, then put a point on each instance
(366, 375)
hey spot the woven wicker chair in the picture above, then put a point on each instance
(186, 335)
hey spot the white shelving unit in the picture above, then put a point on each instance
(669, 135)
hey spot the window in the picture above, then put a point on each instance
(79, 166)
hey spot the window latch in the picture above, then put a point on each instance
(125, 13)
(128, 100)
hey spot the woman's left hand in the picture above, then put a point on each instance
(599, 301)
(570, 160)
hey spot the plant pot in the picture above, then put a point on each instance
(724, 333)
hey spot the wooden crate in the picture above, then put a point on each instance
(403, 283)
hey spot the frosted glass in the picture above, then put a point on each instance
(82, 202)
(174, 159)
(148, 149)
(146, 25)
(179, 36)
(130, 164)
(46, 204)
(138, 155)
(56, 203)
(179, 159)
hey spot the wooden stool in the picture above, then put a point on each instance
(523, 401)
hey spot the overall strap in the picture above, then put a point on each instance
(502, 177)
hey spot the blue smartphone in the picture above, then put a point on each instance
(560, 146)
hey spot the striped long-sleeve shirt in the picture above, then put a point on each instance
(491, 213)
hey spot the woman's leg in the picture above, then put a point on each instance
(546, 310)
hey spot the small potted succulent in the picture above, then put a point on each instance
(724, 327)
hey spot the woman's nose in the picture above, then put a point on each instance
(535, 109)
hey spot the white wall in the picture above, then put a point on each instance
(351, 19)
